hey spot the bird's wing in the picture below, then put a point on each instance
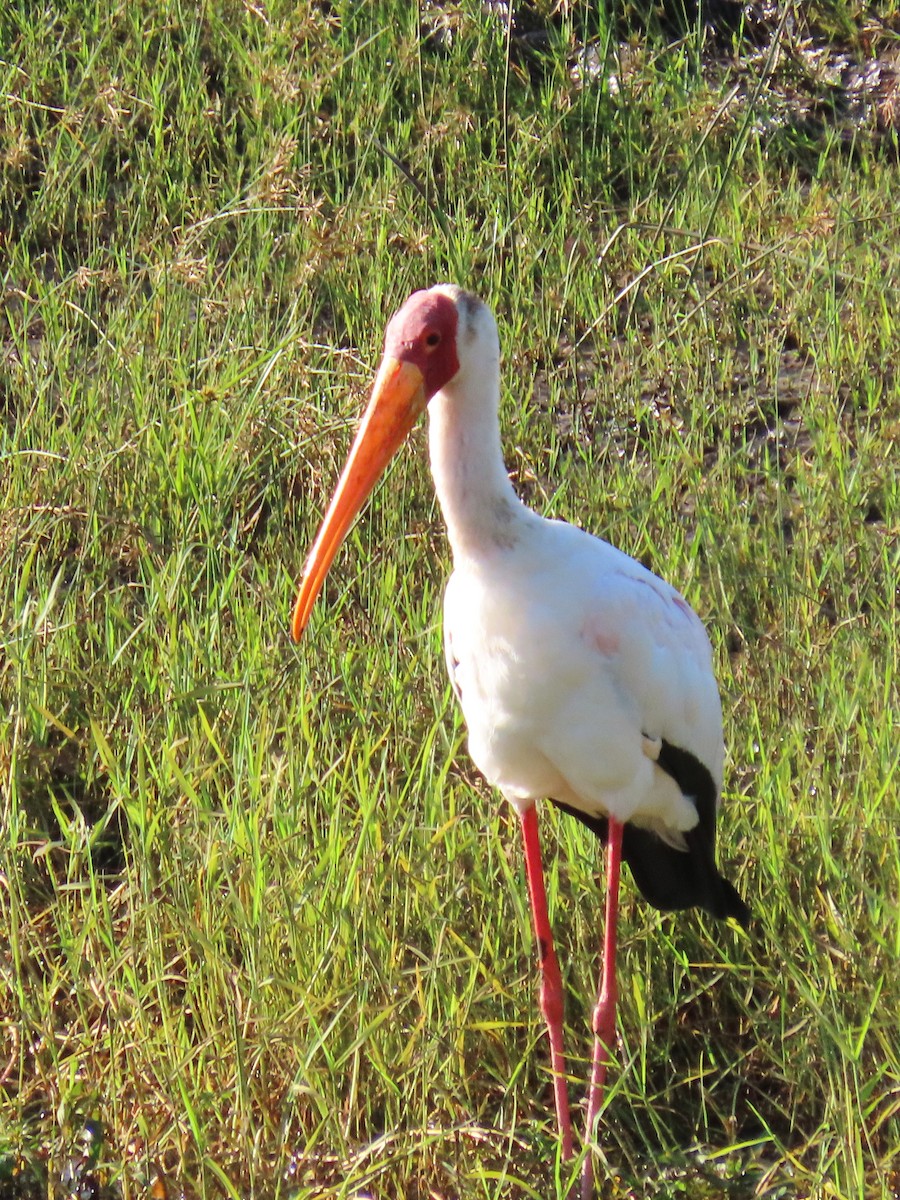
(574, 664)
(662, 658)
(647, 672)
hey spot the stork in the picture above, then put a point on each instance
(584, 679)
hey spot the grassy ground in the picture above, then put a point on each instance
(264, 931)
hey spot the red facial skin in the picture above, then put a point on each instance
(423, 332)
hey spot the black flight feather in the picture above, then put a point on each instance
(673, 879)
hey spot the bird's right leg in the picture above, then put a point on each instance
(604, 1021)
(551, 980)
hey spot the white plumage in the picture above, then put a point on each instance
(570, 660)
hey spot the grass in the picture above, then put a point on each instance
(264, 930)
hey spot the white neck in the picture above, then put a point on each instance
(480, 508)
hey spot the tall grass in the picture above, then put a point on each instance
(261, 918)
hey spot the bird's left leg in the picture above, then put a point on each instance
(551, 980)
(604, 1021)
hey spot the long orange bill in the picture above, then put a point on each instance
(398, 397)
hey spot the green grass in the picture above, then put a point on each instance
(260, 917)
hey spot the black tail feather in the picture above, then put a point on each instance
(668, 878)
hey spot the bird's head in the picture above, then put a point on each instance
(429, 342)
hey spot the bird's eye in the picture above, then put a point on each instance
(433, 339)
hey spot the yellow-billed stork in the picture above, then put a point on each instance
(583, 678)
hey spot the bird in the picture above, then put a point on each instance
(584, 679)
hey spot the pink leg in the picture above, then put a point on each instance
(605, 1013)
(551, 982)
